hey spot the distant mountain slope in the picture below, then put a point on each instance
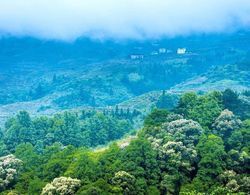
(45, 77)
(106, 73)
(236, 77)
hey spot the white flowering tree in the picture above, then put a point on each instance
(178, 156)
(185, 131)
(9, 169)
(125, 181)
(62, 186)
(234, 183)
(175, 144)
(226, 123)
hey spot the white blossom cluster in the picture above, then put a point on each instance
(173, 117)
(155, 142)
(9, 168)
(178, 155)
(186, 131)
(233, 183)
(123, 176)
(124, 180)
(62, 186)
(226, 123)
(177, 144)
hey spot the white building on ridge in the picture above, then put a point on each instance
(162, 50)
(136, 57)
(181, 51)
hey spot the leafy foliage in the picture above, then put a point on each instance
(67, 129)
(203, 109)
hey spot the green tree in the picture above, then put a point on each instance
(140, 159)
(203, 109)
(19, 130)
(156, 117)
(212, 153)
(166, 101)
(186, 102)
(58, 163)
(83, 167)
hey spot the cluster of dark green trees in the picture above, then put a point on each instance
(200, 147)
(87, 129)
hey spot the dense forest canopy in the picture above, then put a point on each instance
(199, 147)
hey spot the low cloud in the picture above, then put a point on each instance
(120, 19)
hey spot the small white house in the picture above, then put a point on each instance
(136, 57)
(154, 53)
(181, 51)
(162, 50)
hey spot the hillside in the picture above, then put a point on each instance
(45, 77)
(234, 76)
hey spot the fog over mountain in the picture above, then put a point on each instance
(124, 19)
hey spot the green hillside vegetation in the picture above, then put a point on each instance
(234, 76)
(199, 147)
(87, 129)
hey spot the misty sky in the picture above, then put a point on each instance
(120, 19)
